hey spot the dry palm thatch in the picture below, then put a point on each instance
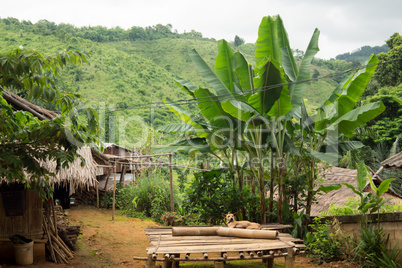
(394, 162)
(77, 175)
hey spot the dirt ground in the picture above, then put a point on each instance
(107, 243)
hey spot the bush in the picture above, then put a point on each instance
(149, 197)
(322, 245)
(371, 251)
(352, 208)
(213, 193)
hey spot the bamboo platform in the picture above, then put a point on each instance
(170, 250)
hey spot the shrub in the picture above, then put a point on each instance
(149, 197)
(323, 245)
(370, 250)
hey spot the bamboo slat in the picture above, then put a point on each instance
(247, 233)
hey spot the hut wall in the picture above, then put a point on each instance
(28, 225)
(390, 222)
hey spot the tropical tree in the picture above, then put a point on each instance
(25, 140)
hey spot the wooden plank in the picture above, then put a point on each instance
(277, 245)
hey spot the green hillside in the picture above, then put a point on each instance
(129, 69)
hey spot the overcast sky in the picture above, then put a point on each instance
(345, 25)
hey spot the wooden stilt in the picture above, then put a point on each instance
(176, 264)
(270, 263)
(290, 258)
(166, 264)
(150, 262)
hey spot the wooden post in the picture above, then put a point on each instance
(150, 262)
(290, 258)
(171, 183)
(114, 189)
(97, 194)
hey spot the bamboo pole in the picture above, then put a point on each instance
(97, 193)
(171, 183)
(114, 190)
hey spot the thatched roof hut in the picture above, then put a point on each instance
(76, 175)
(336, 175)
(394, 162)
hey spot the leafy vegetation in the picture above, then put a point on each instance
(27, 141)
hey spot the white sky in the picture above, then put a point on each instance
(345, 25)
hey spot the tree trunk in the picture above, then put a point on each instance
(271, 188)
(262, 195)
(281, 168)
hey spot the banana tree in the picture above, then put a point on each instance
(252, 109)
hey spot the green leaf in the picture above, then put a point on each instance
(361, 176)
(272, 36)
(398, 100)
(384, 186)
(187, 146)
(282, 106)
(244, 73)
(328, 188)
(212, 110)
(347, 123)
(356, 86)
(209, 76)
(224, 65)
(177, 128)
(296, 90)
(352, 188)
(238, 109)
(187, 86)
(269, 84)
(326, 157)
(186, 118)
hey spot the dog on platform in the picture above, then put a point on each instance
(232, 223)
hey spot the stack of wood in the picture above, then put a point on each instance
(87, 197)
(61, 237)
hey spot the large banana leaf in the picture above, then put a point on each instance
(343, 99)
(187, 146)
(186, 118)
(238, 109)
(212, 110)
(283, 105)
(272, 36)
(209, 76)
(224, 65)
(177, 128)
(244, 73)
(347, 123)
(269, 82)
(300, 77)
(357, 85)
(187, 86)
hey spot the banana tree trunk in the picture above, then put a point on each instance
(263, 217)
(271, 187)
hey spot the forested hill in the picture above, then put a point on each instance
(361, 54)
(131, 68)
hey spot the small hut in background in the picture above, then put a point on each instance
(337, 175)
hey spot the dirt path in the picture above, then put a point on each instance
(107, 243)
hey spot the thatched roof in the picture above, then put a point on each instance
(394, 162)
(336, 175)
(21, 104)
(75, 174)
